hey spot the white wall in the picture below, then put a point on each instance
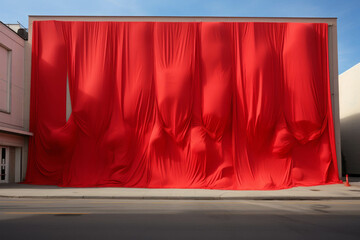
(349, 86)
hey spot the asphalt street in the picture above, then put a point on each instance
(178, 219)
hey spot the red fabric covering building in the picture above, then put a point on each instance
(218, 105)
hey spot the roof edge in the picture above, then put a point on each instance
(4, 24)
(107, 16)
(351, 68)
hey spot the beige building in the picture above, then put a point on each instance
(15, 53)
(349, 85)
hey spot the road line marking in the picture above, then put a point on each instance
(323, 202)
(168, 202)
(26, 202)
(220, 202)
(45, 213)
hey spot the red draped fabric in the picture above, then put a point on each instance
(181, 105)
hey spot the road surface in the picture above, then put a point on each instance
(178, 219)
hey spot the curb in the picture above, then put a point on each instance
(256, 198)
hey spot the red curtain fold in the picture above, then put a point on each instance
(181, 105)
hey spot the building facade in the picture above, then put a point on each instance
(16, 77)
(13, 121)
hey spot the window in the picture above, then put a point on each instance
(5, 78)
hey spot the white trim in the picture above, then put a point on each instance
(18, 165)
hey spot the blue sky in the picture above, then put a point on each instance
(347, 12)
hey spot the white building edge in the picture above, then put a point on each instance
(349, 86)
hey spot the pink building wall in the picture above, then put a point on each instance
(15, 45)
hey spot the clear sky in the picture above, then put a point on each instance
(347, 12)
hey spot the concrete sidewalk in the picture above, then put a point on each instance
(323, 192)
